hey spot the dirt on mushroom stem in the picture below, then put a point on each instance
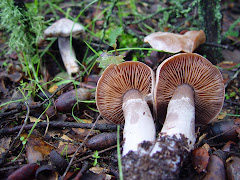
(173, 145)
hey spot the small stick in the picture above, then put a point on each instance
(5, 155)
(20, 109)
(231, 48)
(57, 124)
(84, 141)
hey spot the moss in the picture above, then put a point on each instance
(210, 21)
(23, 25)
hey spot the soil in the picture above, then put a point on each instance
(32, 127)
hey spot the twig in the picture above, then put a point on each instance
(57, 124)
(74, 155)
(148, 17)
(5, 114)
(233, 77)
(231, 48)
(5, 155)
(11, 168)
(85, 166)
(231, 102)
(218, 135)
(63, 87)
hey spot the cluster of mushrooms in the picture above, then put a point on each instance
(187, 90)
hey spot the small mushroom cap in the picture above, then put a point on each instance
(196, 71)
(173, 43)
(63, 27)
(115, 81)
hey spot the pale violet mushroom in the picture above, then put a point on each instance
(189, 90)
(121, 96)
(62, 29)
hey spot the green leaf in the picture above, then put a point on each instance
(95, 156)
(231, 31)
(107, 58)
(232, 94)
(113, 36)
(22, 138)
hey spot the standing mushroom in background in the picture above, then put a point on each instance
(188, 89)
(121, 96)
(62, 29)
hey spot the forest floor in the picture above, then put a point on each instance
(48, 130)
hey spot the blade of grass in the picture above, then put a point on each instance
(233, 115)
(90, 47)
(119, 154)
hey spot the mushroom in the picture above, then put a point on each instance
(121, 96)
(63, 29)
(189, 90)
(173, 43)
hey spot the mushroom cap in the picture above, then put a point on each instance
(196, 71)
(63, 27)
(115, 81)
(173, 43)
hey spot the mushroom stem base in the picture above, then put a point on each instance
(180, 119)
(162, 165)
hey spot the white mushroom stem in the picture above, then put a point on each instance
(68, 55)
(180, 118)
(139, 125)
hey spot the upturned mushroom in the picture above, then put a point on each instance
(121, 96)
(174, 43)
(189, 90)
(62, 29)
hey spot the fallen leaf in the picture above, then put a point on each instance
(25, 172)
(227, 64)
(233, 167)
(39, 145)
(53, 89)
(99, 170)
(200, 159)
(222, 115)
(66, 145)
(81, 133)
(4, 144)
(32, 155)
(215, 169)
